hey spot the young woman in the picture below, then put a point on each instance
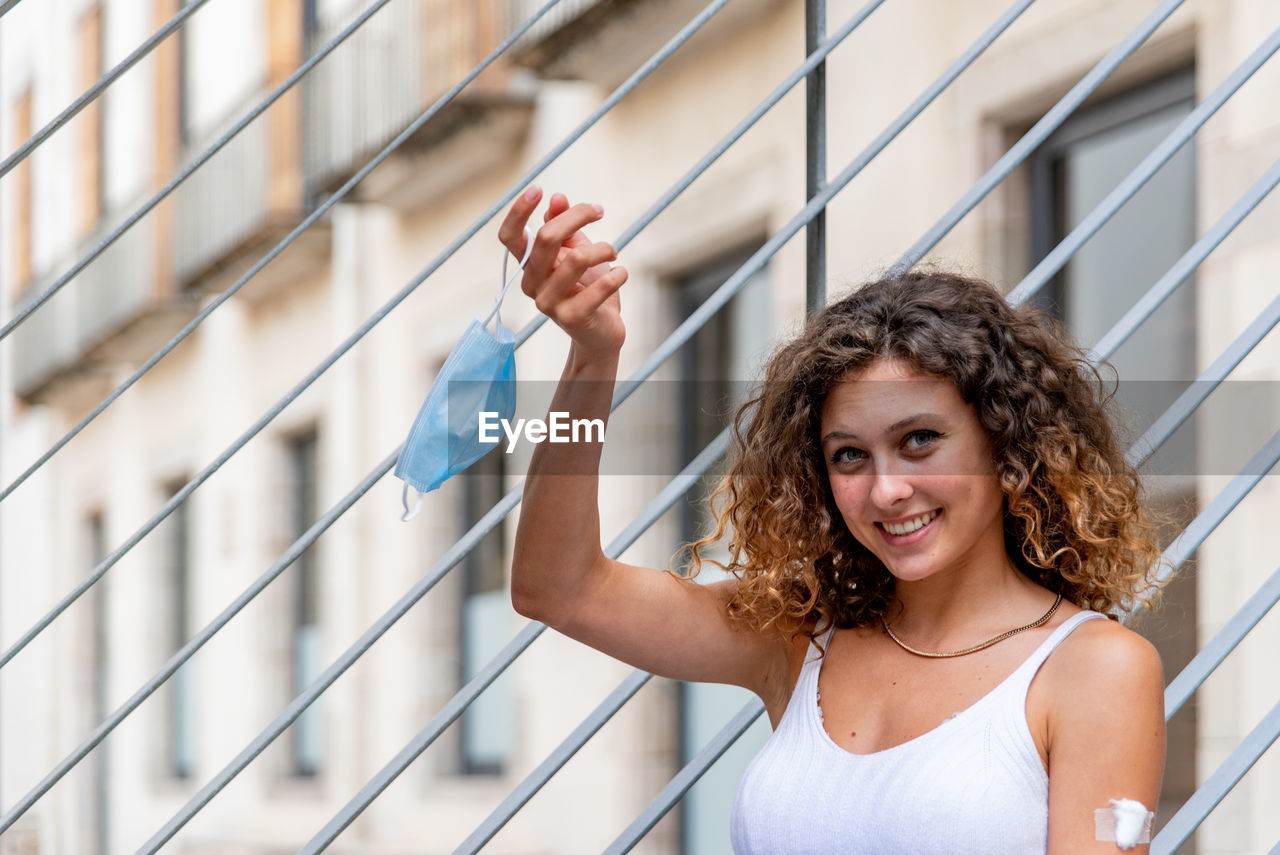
(930, 519)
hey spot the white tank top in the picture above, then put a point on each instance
(974, 784)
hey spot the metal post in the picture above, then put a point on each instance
(815, 168)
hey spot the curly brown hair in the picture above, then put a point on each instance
(1075, 520)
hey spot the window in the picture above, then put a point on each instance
(712, 368)
(1071, 173)
(310, 28)
(488, 724)
(92, 196)
(179, 725)
(306, 745)
(24, 207)
(313, 107)
(185, 84)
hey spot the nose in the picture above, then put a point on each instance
(889, 488)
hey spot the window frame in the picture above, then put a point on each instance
(1043, 165)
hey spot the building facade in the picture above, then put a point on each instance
(272, 451)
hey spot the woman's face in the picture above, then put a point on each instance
(912, 471)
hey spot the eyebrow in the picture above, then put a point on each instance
(893, 428)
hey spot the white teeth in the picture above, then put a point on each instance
(910, 525)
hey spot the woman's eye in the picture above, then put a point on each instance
(846, 455)
(920, 439)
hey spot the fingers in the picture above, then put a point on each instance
(565, 281)
(557, 205)
(552, 236)
(578, 308)
(567, 275)
(511, 232)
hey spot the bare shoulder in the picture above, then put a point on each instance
(1104, 685)
(1103, 655)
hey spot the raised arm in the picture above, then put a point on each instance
(559, 572)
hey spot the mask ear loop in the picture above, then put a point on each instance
(404, 500)
(528, 248)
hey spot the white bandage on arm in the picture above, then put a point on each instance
(1126, 822)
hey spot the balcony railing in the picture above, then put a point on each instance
(565, 12)
(381, 78)
(225, 202)
(109, 294)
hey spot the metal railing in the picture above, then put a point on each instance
(393, 114)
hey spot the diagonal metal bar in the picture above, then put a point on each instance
(359, 333)
(1224, 503)
(1190, 539)
(1195, 394)
(659, 505)
(800, 73)
(1039, 132)
(182, 176)
(675, 190)
(554, 762)
(6, 6)
(1185, 265)
(1212, 654)
(687, 777)
(1122, 192)
(92, 93)
(1214, 790)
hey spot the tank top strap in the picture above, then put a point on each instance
(817, 648)
(1027, 670)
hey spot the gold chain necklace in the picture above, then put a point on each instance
(1001, 637)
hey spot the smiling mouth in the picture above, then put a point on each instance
(910, 526)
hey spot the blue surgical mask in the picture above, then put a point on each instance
(479, 375)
